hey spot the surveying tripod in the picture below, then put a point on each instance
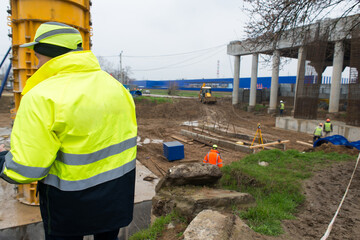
(258, 131)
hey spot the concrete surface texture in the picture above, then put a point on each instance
(191, 200)
(187, 188)
(308, 126)
(215, 225)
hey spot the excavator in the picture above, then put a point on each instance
(205, 95)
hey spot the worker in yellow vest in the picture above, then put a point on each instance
(328, 127)
(318, 132)
(75, 133)
(282, 107)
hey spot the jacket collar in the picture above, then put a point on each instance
(70, 62)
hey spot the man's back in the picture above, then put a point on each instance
(86, 132)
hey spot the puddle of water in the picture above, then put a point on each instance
(148, 140)
(191, 123)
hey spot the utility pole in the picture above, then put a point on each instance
(121, 71)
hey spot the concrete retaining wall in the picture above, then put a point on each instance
(308, 126)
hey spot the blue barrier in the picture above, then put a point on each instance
(220, 84)
(337, 140)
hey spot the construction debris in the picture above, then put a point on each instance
(270, 144)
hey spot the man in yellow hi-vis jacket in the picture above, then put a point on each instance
(75, 132)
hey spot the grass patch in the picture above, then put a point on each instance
(277, 187)
(156, 100)
(260, 107)
(159, 225)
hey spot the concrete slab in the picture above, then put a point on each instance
(192, 200)
(352, 133)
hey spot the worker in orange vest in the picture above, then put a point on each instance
(213, 157)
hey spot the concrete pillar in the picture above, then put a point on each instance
(274, 82)
(300, 73)
(253, 87)
(235, 93)
(338, 63)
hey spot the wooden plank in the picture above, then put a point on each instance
(305, 143)
(212, 140)
(182, 139)
(269, 144)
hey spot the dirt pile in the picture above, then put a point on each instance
(329, 147)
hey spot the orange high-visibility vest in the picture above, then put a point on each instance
(213, 157)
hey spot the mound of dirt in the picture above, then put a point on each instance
(341, 149)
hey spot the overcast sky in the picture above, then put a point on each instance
(192, 34)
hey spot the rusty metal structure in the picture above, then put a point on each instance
(353, 103)
(307, 96)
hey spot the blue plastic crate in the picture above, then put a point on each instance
(173, 150)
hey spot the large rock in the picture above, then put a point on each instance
(213, 225)
(191, 200)
(190, 174)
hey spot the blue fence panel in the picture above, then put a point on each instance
(217, 84)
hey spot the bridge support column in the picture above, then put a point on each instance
(254, 72)
(300, 74)
(235, 93)
(274, 82)
(336, 77)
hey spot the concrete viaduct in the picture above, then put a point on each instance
(293, 44)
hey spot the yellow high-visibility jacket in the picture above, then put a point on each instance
(75, 127)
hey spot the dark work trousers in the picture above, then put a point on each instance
(100, 236)
(316, 138)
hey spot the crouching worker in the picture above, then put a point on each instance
(75, 133)
(318, 132)
(213, 157)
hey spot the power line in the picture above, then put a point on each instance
(177, 65)
(168, 55)
(177, 54)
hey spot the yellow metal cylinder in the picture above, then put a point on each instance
(25, 17)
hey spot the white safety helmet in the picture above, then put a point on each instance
(281, 101)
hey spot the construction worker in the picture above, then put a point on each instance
(282, 107)
(328, 127)
(75, 133)
(213, 157)
(318, 132)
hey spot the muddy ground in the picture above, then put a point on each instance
(160, 122)
(323, 192)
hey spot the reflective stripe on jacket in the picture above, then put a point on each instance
(318, 131)
(282, 106)
(327, 127)
(75, 127)
(213, 157)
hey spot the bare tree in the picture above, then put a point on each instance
(269, 19)
(112, 69)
